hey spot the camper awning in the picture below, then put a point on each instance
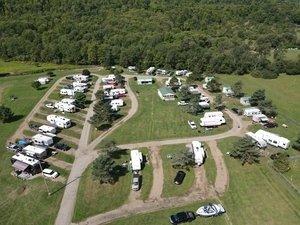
(20, 166)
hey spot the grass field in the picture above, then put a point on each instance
(147, 175)
(170, 189)
(285, 94)
(14, 67)
(256, 195)
(293, 175)
(93, 198)
(32, 204)
(210, 167)
(157, 119)
(65, 157)
(162, 217)
(289, 55)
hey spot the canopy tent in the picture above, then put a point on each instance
(20, 166)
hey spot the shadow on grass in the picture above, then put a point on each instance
(65, 185)
(15, 118)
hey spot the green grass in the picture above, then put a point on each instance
(293, 175)
(170, 189)
(162, 217)
(33, 205)
(94, 198)
(65, 157)
(210, 167)
(70, 132)
(147, 174)
(157, 119)
(17, 67)
(283, 91)
(289, 54)
(256, 195)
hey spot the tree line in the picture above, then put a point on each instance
(199, 35)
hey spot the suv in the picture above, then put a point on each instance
(135, 182)
(182, 217)
(50, 173)
(192, 124)
(179, 177)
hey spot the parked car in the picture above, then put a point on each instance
(69, 78)
(50, 173)
(14, 147)
(182, 103)
(179, 177)
(33, 126)
(270, 125)
(61, 146)
(237, 111)
(192, 124)
(210, 210)
(182, 217)
(135, 182)
(50, 105)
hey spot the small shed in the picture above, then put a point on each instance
(144, 80)
(166, 94)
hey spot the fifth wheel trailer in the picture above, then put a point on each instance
(199, 152)
(43, 140)
(35, 151)
(59, 121)
(261, 143)
(273, 139)
(136, 160)
(212, 122)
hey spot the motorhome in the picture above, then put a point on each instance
(136, 160)
(47, 129)
(35, 151)
(273, 139)
(66, 91)
(43, 140)
(261, 143)
(117, 102)
(65, 107)
(25, 164)
(199, 152)
(59, 121)
(251, 111)
(245, 100)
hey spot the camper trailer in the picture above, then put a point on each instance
(110, 79)
(43, 80)
(181, 72)
(117, 102)
(59, 121)
(260, 118)
(251, 111)
(47, 129)
(35, 151)
(117, 92)
(204, 105)
(108, 86)
(80, 89)
(136, 160)
(81, 78)
(199, 153)
(43, 140)
(273, 139)
(69, 101)
(65, 91)
(212, 122)
(25, 164)
(79, 84)
(150, 70)
(227, 91)
(64, 107)
(213, 114)
(257, 140)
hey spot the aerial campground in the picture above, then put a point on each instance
(150, 112)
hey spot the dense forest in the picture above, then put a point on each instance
(229, 36)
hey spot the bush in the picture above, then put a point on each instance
(293, 68)
(281, 163)
(86, 72)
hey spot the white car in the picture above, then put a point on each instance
(182, 103)
(192, 124)
(50, 105)
(50, 173)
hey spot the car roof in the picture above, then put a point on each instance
(47, 170)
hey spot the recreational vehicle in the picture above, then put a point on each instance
(260, 118)
(47, 129)
(150, 70)
(59, 121)
(181, 72)
(273, 139)
(251, 111)
(144, 80)
(35, 151)
(108, 86)
(117, 102)
(81, 78)
(199, 153)
(43, 80)
(79, 89)
(43, 140)
(257, 140)
(25, 164)
(64, 107)
(161, 72)
(212, 122)
(69, 101)
(245, 100)
(65, 91)
(204, 105)
(110, 79)
(117, 92)
(227, 91)
(136, 160)
(79, 84)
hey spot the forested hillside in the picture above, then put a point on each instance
(230, 36)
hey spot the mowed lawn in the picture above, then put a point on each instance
(157, 119)
(285, 94)
(256, 194)
(94, 198)
(147, 176)
(19, 205)
(170, 189)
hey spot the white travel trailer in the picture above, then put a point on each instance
(35, 151)
(117, 102)
(181, 72)
(150, 70)
(132, 68)
(273, 139)
(213, 114)
(204, 105)
(251, 111)
(114, 108)
(47, 129)
(117, 91)
(204, 98)
(64, 107)
(25, 164)
(212, 122)
(108, 86)
(208, 79)
(69, 101)
(79, 84)
(81, 78)
(80, 89)
(245, 100)
(257, 140)
(161, 72)
(59, 121)
(43, 140)
(109, 79)
(199, 152)
(43, 80)
(227, 91)
(136, 160)
(65, 91)
(260, 118)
